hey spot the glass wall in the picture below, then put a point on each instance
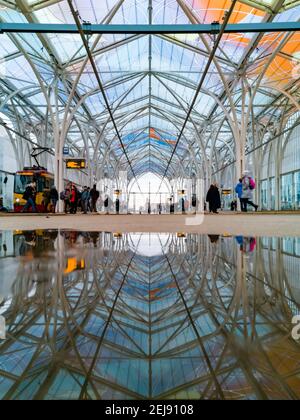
(268, 194)
(290, 191)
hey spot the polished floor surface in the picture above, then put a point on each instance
(270, 224)
(95, 315)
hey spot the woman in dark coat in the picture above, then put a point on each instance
(214, 199)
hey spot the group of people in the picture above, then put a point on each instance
(244, 191)
(50, 199)
(74, 199)
(87, 198)
(71, 196)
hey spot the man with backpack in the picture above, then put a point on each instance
(29, 196)
(85, 198)
(248, 186)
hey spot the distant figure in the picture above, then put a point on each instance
(172, 208)
(159, 209)
(117, 206)
(194, 200)
(46, 200)
(29, 196)
(2, 208)
(53, 198)
(65, 197)
(183, 205)
(239, 192)
(247, 194)
(214, 199)
(106, 204)
(233, 205)
(85, 198)
(94, 198)
(73, 200)
(89, 206)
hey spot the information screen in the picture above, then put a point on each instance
(76, 164)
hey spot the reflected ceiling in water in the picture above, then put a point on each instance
(110, 316)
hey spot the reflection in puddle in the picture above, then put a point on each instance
(110, 316)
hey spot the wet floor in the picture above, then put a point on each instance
(147, 316)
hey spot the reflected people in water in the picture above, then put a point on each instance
(247, 245)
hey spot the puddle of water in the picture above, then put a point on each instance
(136, 316)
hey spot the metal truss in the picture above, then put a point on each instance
(89, 29)
(63, 105)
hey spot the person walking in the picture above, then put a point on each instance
(94, 198)
(214, 199)
(73, 200)
(118, 206)
(85, 198)
(29, 196)
(183, 205)
(106, 205)
(239, 192)
(247, 194)
(53, 198)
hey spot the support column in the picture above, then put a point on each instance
(59, 174)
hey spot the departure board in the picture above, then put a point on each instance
(76, 163)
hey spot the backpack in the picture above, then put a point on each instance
(252, 184)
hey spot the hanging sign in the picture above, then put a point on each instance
(76, 164)
(66, 151)
(227, 192)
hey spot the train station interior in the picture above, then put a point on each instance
(149, 200)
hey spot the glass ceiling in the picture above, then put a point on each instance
(149, 81)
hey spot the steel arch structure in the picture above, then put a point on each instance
(98, 96)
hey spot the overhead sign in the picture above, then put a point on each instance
(76, 164)
(66, 151)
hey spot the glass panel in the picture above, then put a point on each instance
(273, 193)
(264, 194)
(287, 201)
(297, 190)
